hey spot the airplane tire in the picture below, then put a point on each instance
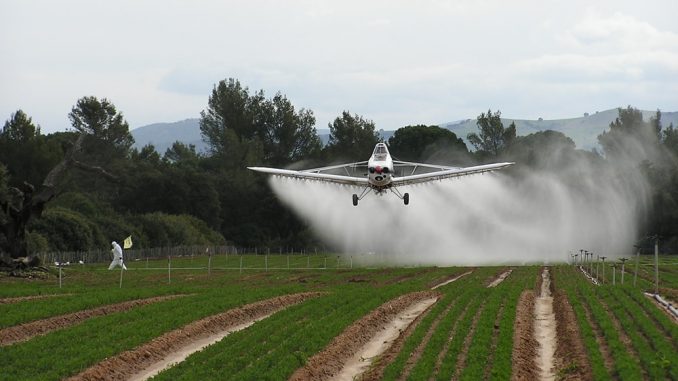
(355, 199)
(406, 198)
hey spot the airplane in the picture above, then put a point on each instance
(381, 173)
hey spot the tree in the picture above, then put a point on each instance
(351, 137)
(493, 138)
(291, 136)
(107, 131)
(228, 109)
(247, 129)
(420, 142)
(95, 121)
(630, 136)
(26, 153)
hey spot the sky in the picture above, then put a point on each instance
(394, 62)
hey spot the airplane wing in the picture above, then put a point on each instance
(446, 173)
(315, 174)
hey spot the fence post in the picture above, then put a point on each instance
(209, 265)
(169, 269)
(241, 264)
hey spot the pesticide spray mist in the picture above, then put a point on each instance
(531, 217)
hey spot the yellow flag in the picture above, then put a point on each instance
(128, 243)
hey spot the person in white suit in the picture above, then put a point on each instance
(117, 256)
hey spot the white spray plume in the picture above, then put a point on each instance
(535, 217)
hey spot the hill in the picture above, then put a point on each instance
(583, 130)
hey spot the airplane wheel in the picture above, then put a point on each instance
(355, 200)
(406, 198)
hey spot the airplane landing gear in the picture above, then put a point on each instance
(357, 198)
(406, 198)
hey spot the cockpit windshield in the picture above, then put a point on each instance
(380, 152)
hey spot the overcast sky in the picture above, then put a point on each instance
(394, 62)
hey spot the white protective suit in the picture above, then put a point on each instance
(117, 256)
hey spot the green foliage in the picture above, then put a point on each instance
(27, 154)
(492, 137)
(162, 230)
(420, 142)
(246, 129)
(68, 230)
(352, 137)
(37, 243)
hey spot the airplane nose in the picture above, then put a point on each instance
(378, 169)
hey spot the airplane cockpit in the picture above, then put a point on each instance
(380, 152)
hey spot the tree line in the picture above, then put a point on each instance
(81, 189)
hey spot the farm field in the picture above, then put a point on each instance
(309, 317)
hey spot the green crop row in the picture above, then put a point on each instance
(275, 347)
(625, 365)
(567, 279)
(657, 355)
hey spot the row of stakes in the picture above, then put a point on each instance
(586, 259)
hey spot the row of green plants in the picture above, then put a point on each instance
(275, 347)
(616, 311)
(463, 300)
(68, 351)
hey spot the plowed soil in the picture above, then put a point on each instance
(129, 363)
(27, 331)
(331, 360)
(450, 280)
(500, 278)
(524, 343)
(25, 298)
(571, 357)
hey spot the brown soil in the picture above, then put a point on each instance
(416, 354)
(376, 372)
(33, 297)
(331, 360)
(600, 339)
(27, 331)
(499, 278)
(446, 347)
(623, 337)
(571, 360)
(129, 363)
(524, 343)
(448, 280)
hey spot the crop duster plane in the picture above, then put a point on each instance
(381, 173)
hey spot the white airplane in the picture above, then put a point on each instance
(381, 173)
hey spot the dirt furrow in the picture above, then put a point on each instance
(499, 278)
(32, 297)
(453, 279)
(463, 354)
(600, 339)
(129, 364)
(376, 372)
(416, 354)
(27, 331)
(545, 329)
(330, 361)
(524, 343)
(359, 363)
(446, 347)
(571, 360)
(623, 337)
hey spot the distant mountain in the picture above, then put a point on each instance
(163, 135)
(583, 131)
